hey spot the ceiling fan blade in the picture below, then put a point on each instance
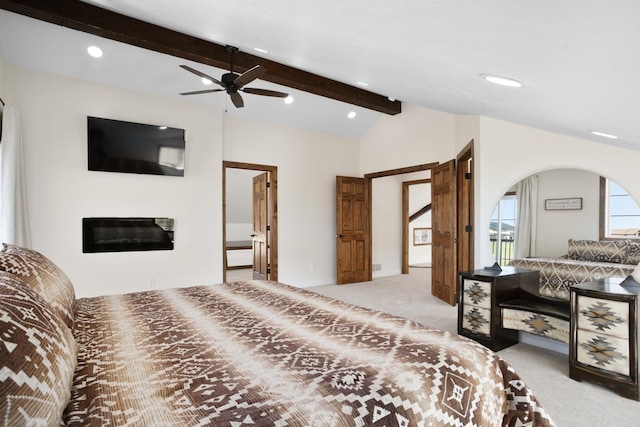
(249, 76)
(237, 99)
(265, 92)
(197, 92)
(203, 75)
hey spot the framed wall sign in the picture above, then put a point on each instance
(421, 236)
(574, 203)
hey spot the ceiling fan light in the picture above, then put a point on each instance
(502, 81)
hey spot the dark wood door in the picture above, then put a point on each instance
(443, 228)
(353, 231)
(465, 226)
(260, 235)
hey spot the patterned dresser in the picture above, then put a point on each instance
(480, 292)
(604, 334)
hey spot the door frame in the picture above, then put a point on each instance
(272, 213)
(369, 177)
(465, 208)
(406, 238)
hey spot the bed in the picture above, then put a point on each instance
(254, 353)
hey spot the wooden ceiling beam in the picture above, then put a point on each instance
(94, 20)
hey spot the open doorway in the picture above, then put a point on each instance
(250, 226)
(416, 223)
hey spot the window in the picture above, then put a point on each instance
(619, 213)
(503, 228)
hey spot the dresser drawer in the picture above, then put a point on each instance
(477, 293)
(603, 351)
(603, 316)
(476, 319)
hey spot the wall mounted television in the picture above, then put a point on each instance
(119, 146)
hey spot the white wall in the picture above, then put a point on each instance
(416, 136)
(62, 191)
(308, 163)
(2, 79)
(529, 151)
(556, 227)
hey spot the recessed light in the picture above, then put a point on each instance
(206, 81)
(162, 127)
(260, 50)
(363, 83)
(288, 99)
(606, 135)
(502, 81)
(94, 51)
(351, 114)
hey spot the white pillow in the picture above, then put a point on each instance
(636, 273)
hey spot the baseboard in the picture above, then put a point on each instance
(546, 343)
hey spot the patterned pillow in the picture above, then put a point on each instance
(614, 251)
(633, 253)
(43, 276)
(38, 357)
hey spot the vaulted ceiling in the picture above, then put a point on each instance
(576, 58)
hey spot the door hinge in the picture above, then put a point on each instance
(467, 175)
(268, 271)
(467, 228)
(268, 184)
(268, 228)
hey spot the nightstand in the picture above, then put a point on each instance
(604, 334)
(480, 292)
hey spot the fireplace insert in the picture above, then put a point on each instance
(126, 234)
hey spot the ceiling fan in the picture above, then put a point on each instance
(234, 83)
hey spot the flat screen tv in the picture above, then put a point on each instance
(117, 146)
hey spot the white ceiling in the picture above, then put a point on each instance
(577, 58)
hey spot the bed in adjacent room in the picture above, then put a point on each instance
(238, 354)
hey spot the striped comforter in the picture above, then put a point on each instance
(266, 354)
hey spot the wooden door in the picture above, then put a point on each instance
(353, 235)
(443, 228)
(260, 235)
(465, 226)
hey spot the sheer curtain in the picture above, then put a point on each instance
(527, 202)
(14, 215)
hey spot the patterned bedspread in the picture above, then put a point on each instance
(266, 354)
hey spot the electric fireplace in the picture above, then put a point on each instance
(126, 234)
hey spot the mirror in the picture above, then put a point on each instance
(566, 206)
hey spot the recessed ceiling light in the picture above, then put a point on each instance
(94, 51)
(288, 99)
(162, 127)
(502, 81)
(363, 83)
(260, 50)
(206, 81)
(606, 135)
(351, 114)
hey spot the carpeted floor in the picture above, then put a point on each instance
(569, 402)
